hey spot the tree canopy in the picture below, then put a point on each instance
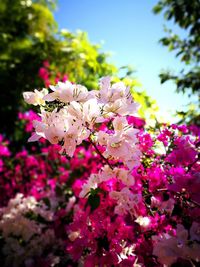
(186, 15)
(29, 36)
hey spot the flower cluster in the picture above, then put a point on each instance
(76, 113)
(170, 247)
(128, 196)
(24, 228)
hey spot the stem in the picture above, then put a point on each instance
(192, 164)
(188, 200)
(98, 152)
(194, 202)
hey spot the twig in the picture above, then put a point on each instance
(193, 163)
(194, 202)
(98, 152)
(179, 194)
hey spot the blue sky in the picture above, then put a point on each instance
(131, 32)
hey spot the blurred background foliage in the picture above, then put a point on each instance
(185, 14)
(34, 53)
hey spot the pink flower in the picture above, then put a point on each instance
(184, 154)
(43, 73)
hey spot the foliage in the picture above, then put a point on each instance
(185, 14)
(28, 37)
(34, 53)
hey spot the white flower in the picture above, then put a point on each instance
(116, 98)
(127, 201)
(122, 143)
(73, 120)
(143, 221)
(125, 176)
(24, 237)
(87, 112)
(91, 112)
(67, 92)
(104, 174)
(70, 203)
(127, 250)
(73, 235)
(91, 183)
(35, 98)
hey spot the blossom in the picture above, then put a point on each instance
(185, 152)
(143, 221)
(88, 112)
(116, 98)
(73, 122)
(127, 202)
(25, 238)
(91, 184)
(105, 174)
(125, 176)
(67, 92)
(121, 144)
(169, 248)
(35, 98)
(52, 126)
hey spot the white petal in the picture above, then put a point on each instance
(34, 137)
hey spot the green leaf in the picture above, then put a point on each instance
(93, 201)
